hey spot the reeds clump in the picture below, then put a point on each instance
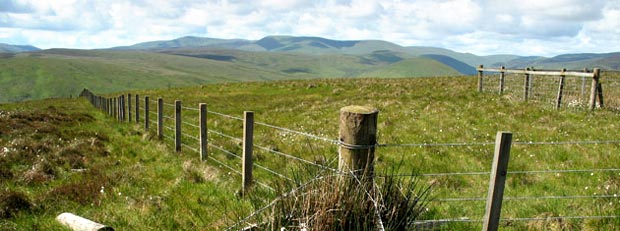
(349, 202)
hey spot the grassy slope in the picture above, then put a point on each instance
(413, 67)
(61, 72)
(130, 182)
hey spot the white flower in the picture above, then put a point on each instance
(101, 190)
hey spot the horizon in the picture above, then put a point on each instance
(466, 26)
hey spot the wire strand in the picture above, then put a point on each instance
(224, 165)
(191, 137)
(225, 151)
(295, 158)
(191, 125)
(224, 115)
(224, 135)
(190, 148)
(298, 132)
(273, 172)
(190, 108)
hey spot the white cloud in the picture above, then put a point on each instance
(528, 27)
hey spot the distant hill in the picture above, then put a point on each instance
(320, 46)
(455, 64)
(8, 48)
(65, 72)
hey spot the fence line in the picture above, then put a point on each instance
(96, 100)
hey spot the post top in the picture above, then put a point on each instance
(359, 109)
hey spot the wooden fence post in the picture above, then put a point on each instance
(599, 85)
(146, 113)
(137, 109)
(480, 76)
(248, 143)
(497, 181)
(526, 85)
(129, 115)
(116, 107)
(177, 125)
(358, 137)
(558, 102)
(160, 118)
(124, 108)
(594, 89)
(204, 152)
(502, 76)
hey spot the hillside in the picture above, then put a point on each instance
(65, 72)
(8, 48)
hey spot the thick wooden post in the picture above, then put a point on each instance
(526, 85)
(204, 152)
(480, 76)
(146, 113)
(177, 125)
(160, 118)
(594, 89)
(129, 115)
(137, 109)
(558, 102)
(124, 108)
(497, 181)
(502, 76)
(358, 137)
(248, 143)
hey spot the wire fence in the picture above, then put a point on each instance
(455, 186)
(575, 90)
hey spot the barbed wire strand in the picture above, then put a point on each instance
(190, 147)
(169, 128)
(295, 158)
(190, 124)
(191, 137)
(298, 132)
(566, 171)
(224, 135)
(224, 165)
(435, 144)
(224, 151)
(190, 108)
(168, 137)
(529, 198)
(567, 142)
(224, 115)
(169, 104)
(273, 172)
(560, 218)
(167, 117)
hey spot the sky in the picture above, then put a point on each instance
(482, 27)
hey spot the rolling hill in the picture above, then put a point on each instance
(8, 48)
(65, 72)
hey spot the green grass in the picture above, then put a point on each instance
(416, 110)
(125, 179)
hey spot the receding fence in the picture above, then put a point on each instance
(558, 87)
(194, 138)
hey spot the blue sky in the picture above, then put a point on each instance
(524, 27)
